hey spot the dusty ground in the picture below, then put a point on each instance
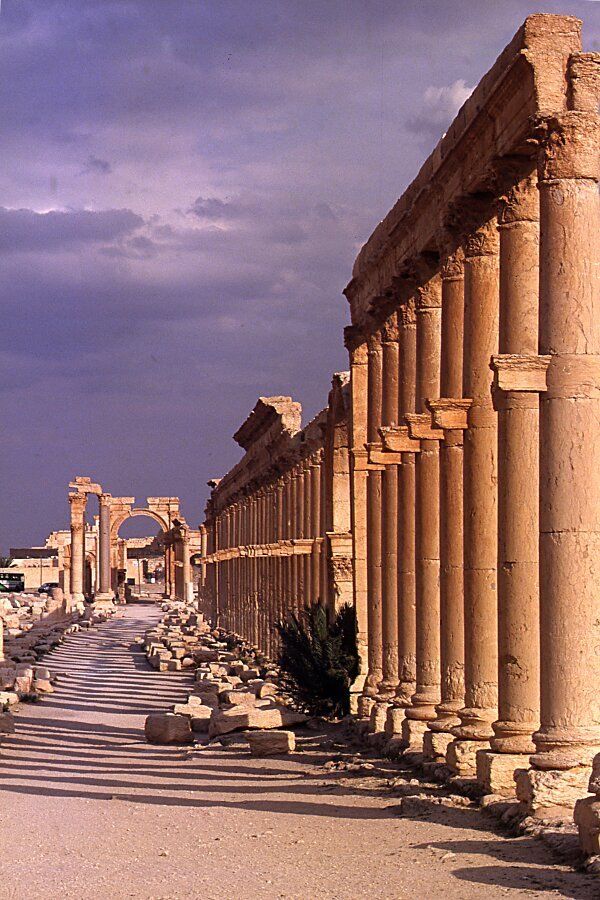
(89, 810)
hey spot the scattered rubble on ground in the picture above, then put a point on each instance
(31, 626)
(236, 688)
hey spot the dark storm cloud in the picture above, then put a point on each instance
(183, 191)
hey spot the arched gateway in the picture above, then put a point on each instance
(175, 537)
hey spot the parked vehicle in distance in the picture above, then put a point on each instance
(47, 586)
(12, 582)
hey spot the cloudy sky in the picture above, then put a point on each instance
(183, 189)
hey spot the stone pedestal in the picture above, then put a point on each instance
(435, 744)
(496, 771)
(413, 732)
(378, 717)
(394, 719)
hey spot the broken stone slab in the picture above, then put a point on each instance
(239, 698)
(237, 718)
(271, 743)
(168, 728)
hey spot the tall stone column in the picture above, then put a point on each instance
(279, 560)
(406, 517)
(427, 520)
(105, 597)
(188, 585)
(518, 496)
(389, 514)
(374, 574)
(299, 528)
(307, 533)
(286, 559)
(315, 516)
(480, 502)
(357, 350)
(450, 413)
(569, 733)
(77, 502)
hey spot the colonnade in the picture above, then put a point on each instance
(475, 423)
(472, 448)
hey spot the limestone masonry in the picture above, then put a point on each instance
(451, 487)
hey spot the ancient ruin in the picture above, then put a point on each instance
(179, 542)
(473, 399)
(449, 490)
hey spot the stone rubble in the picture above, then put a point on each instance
(30, 626)
(235, 688)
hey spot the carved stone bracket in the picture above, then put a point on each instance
(396, 438)
(449, 413)
(420, 427)
(520, 373)
(379, 457)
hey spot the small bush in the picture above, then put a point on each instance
(29, 698)
(319, 659)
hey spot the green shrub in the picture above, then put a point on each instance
(319, 659)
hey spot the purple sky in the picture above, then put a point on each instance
(184, 187)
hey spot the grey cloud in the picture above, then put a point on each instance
(95, 164)
(439, 107)
(26, 230)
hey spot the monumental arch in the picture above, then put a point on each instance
(176, 537)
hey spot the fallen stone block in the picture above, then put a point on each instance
(168, 728)
(226, 720)
(271, 743)
(239, 698)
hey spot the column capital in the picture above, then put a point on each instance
(519, 201)
(484, 241)
(520, 372)
(453, 266)
(356, 344)
(407, 317)
(390, 333)
(569, 146)
(374, 342)
(429, 295)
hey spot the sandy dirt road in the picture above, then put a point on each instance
(89, 810)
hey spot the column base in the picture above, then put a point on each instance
(552, 793)
(78, 602)
(435, 744)
(461, 756)
(104, 603)
(587, 819)
(364, 706)
(378, 717)
(413, 732)
(394, 719)
(496, 771)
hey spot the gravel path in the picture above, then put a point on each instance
(89, 810)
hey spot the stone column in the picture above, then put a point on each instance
(307, 533)
(569, 733)
(448, 413)
(357, 350)
(77, 502)
(105, 597)
(375, 624)
(518, 496)
(315, 495)
(279, 560)
(480, 502)
(406, 518)
(427, 521)
(389, 514)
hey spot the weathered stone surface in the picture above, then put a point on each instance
(167, 728)
(271, 743)
(553, 793)
(238, 718)
(461, 757)
(240, 698)
(496, 771)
